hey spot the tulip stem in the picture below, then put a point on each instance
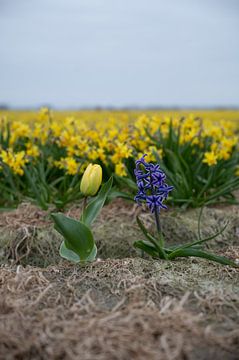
(84, 203)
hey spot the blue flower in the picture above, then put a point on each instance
(155, 202)
(152, 188)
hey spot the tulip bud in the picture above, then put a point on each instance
(91, 180)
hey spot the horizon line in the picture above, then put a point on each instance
(5, 107)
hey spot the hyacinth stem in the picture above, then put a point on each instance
(157, 222)
(155, 211)
(156, 214)
(161, 242)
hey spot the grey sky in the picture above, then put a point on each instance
(75, 53)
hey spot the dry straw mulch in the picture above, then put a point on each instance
(121, 307)
(120, 310)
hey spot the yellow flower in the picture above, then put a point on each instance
(214, 146)
(15, 161)
(68, 163)
(224, 154)
(91, 180)
(71, 166)
(92, 154)
(121, 151)
(214, 131)
(56, 129)
(190, 134)
(32, 150)
(210, 158)
(44, 114)
(151, 153)
(18, 130)
(120, 169)
(229, 143)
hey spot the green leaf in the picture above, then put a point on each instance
(119, 194)
(95, 206)
(146, 233)
(72, 256)
(68, 254)
(202, 254)
(126, 181)
(37, 193)
(152, 239)
(92, 255)
(78, 237)
(174, 161)
(172, 248)
(201, 241)
(225, 189)
(146, 247)
(208, 183)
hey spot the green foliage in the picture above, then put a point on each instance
(47, 183)
(94, 207)
(47, 186)
(154, 246)
(195, 183)
(79, 245)
(78, 237)
(72, 256)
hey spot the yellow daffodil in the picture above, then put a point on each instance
(210, 158)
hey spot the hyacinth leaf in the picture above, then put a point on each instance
(201, 241)
(146, 247)
(70, 255)
(202, 254)
(173, 248)
(152, 240)
(146, 233)
(78, 237)
(94, 207)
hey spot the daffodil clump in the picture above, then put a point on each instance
(43, 155)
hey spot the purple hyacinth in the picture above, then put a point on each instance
(152, 188)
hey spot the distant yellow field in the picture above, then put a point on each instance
(124, 116)
(199, 149)
(113, 136)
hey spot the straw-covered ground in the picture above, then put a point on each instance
(121, 306)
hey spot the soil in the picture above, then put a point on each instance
(121, 306)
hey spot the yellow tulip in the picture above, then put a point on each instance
(91, 180)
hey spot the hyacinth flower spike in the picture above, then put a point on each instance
(153, 191)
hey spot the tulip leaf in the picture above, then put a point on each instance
(78, 237)
(95, 206)
(92, 255)
(70, 255)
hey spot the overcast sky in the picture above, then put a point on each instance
(76, 53)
